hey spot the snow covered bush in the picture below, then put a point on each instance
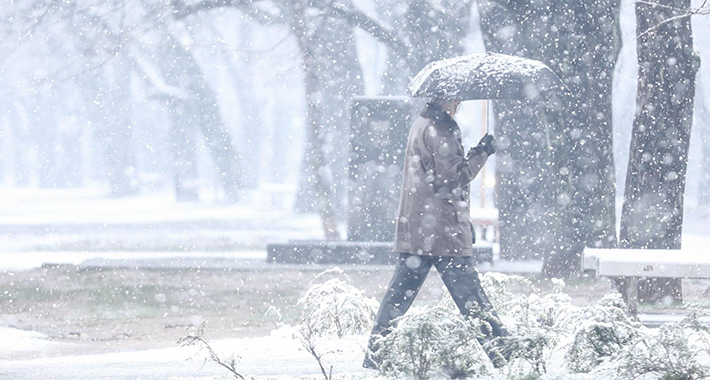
(678, 351)
(525, 313)
(530, 349)
(600, 331)
(336, 307)
(499, 287)
(433, 342)
(531, 320)
(598, 341)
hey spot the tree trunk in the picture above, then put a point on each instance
(703, 119)
(8, 142)
(183, 150)
(250, 106)
(652, 215)
(201, 111)
(555, 184)
(525, 162)
(586, 44)
(116, 131)
(316, 139)
(336, 78)
(178, 70)
(22, 146)
(43, 129)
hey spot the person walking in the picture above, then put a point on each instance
(433, 226)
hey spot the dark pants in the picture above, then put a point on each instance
(459, 276)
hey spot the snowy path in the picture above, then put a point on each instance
(278, 355)
(85, 220)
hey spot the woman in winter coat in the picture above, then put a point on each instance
(433, 226)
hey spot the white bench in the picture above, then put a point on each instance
(630, 265)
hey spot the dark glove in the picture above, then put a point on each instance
(487, 144)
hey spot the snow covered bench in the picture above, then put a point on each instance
(629, 265)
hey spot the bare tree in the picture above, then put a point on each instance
(101, 34)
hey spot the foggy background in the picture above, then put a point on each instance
(123, 100)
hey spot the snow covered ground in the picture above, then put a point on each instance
(276, 356)
(279, 355)
(85, 220)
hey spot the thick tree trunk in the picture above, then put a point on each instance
(199, 111)
(22, 146)
(281, 137)
(182, 151)
(555, 184)
(219, 142)
(9, 144)
(335, 78)
(586, 43)
(116, 134)
(251, 119)
(652, 215)
(54, 135)
(69, 137)
(43, 127)
(525, 206)
(316, 130)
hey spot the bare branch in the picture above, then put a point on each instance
(350, 14)
(702, 10)
(182, 10)
(159, 89)
(199, 340)
(308, 343)
(356, 17)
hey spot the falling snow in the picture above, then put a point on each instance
(229, 175)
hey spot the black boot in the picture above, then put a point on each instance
(371, 361)
(498, 350)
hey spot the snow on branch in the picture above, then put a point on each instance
(702, 10)
(182, 9)
(158, 87)
(270, 15)
(198, 340)
(263, 12)
(336, 307)
(356, 17)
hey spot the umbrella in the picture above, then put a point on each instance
(485, 76)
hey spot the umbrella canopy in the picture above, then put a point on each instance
(485, 76)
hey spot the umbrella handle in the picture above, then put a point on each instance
(485, 114)
(488, 114)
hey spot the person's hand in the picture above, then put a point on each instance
(487, 144)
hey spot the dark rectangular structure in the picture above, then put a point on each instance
(346, 252)
(378, 140)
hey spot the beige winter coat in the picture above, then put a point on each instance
(433, 217)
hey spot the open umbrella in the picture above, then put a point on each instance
(485, 76)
